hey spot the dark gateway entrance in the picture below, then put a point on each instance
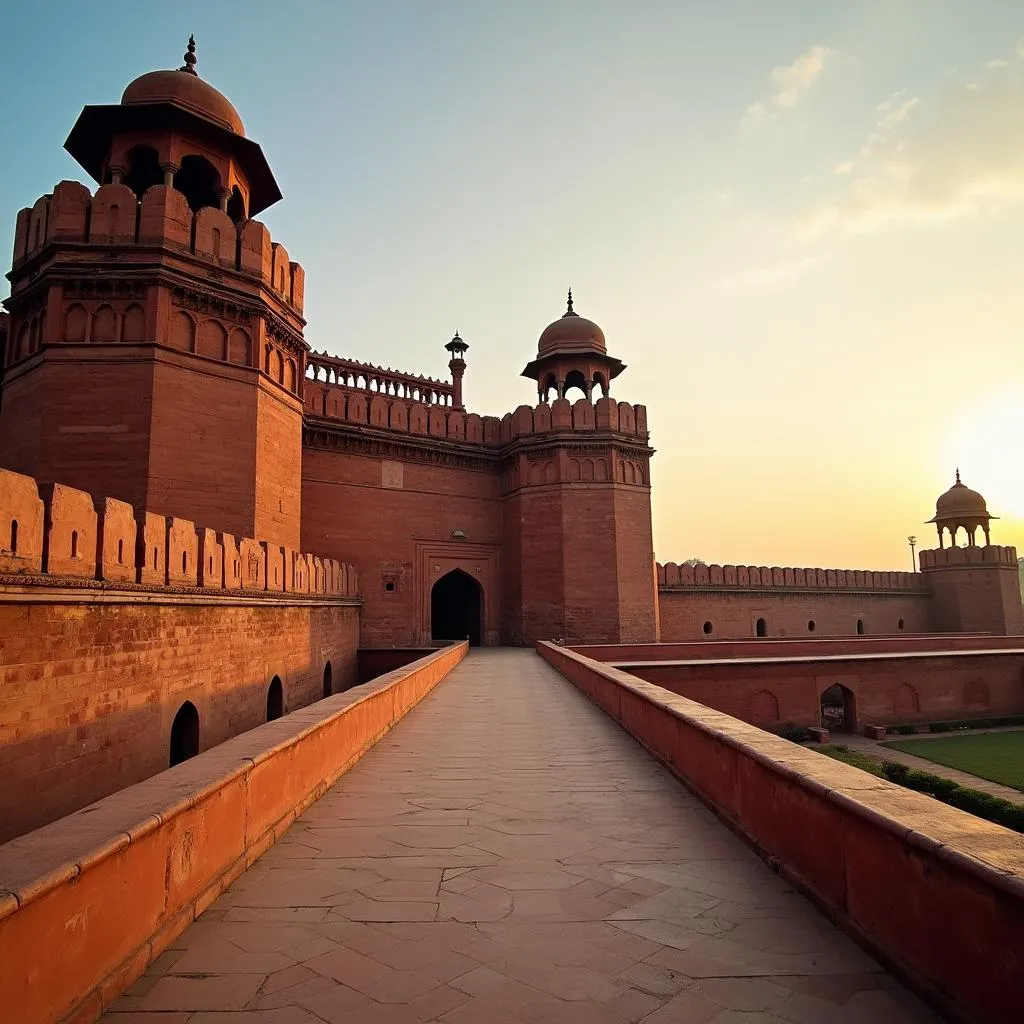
(456, 608)
(838, 709)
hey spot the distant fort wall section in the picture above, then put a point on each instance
(728, 601)
(113, 619)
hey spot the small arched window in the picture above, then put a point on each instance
(328, 672)
(761, 628)
(860, 627)
(275, 699)
(185, 734)
(120, 552)
(74, 543)
(154, 557)
(14, 536)
(708, 628)
(198, 181)
(184, 561)
(811, 627)
(899, 625)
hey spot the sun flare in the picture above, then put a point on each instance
(985, 443)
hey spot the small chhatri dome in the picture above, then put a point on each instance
(571, 333)
(184, 88)
(960, 501)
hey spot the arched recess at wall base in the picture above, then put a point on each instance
(184, 734)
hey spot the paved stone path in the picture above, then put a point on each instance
(874, 748)
(508, 853)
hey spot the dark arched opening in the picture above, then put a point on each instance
(899, 625)
(275, 699)
(860, 627)
(236, 205)
(185, 733)
(708, 629)
(575, 379)
(599, 382)
(838, 709)
(14, 536)
(456, 608)
(761, 628)
(143, 170)
(198, 181)
(327, 679)
(811, 627)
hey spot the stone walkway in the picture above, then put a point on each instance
(874, 748)
(507, 853)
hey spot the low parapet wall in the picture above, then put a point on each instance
(52, 530)
(88, 902)
(754, 577)
(915, 881)
(414, 416)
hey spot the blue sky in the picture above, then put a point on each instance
(799, 223)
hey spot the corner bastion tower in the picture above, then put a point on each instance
(157, 351)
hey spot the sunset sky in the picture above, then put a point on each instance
(800, 223)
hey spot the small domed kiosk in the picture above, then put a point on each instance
(172, 128)
(571, 352)
(961, 508)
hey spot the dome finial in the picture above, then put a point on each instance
(190, 57)
(568, 308)
(958, 474)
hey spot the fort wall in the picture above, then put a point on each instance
(890, 866)
(128, 875)
(533, 506)
(975, 588)
(107, 629)
(730, 600)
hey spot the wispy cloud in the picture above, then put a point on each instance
(789, 84)
(773, 274)
(932, 160)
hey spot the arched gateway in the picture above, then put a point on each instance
(456, 608)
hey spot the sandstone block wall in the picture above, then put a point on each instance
(104, 640)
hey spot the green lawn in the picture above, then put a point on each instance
(996, 756)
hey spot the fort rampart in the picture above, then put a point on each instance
(748, 600)
(112, 619)
(113, 886)
(894, 868)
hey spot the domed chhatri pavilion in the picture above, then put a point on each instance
(961, 508)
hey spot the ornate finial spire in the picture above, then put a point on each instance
(190, 58)
(568, 309)
(958, 474)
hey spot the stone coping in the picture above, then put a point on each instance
(789, 659)
(914, 880)
(71, 590)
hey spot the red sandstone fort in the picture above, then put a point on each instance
(205, 525)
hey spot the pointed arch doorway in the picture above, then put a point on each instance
(456, 608)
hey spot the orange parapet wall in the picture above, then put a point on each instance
(915, 881)
(57, 531)
(112, 886)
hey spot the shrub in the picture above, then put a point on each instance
(902, 730)
(795, 733)
(895, 772)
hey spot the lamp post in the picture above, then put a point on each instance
(913, 559)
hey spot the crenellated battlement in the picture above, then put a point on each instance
(54, 530)
(355, 376)
(677, 577)
(990, 554)
(73, 215)
(412, 416)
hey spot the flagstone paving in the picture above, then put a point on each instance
(508, 853)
